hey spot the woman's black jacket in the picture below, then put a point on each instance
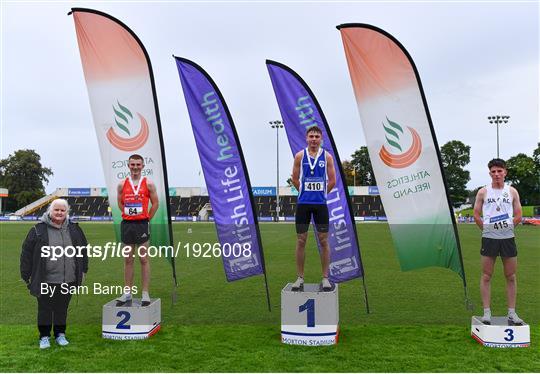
(33, 265)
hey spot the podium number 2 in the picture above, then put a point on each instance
(309, 305)
(122, 324)
(510, 336)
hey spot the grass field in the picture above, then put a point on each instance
(527, 211)
(418, 321)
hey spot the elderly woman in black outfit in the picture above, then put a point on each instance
(44, 273)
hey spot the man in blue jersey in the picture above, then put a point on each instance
(497, 210)
(314, 177)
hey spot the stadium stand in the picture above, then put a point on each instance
(88, 206)
(367, 206)
(189, 202)
(187, 206)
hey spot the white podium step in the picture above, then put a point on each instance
(309, 317)
(499, 334)
(131, 321)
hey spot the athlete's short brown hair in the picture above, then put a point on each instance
(136, 156)
(315, 128)
(499, 162)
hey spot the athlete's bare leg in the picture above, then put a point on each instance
(145, 266)
(510, 267)
(128, 266)
(488, 264)
(325, 252)
(301, 240)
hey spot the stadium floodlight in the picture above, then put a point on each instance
(277, 125)
(498, 120)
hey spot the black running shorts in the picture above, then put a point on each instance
(135, 232)
(304, 212)
(498, 247)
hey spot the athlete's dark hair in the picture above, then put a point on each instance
(314, 129)
(136, 157)
(499, 162)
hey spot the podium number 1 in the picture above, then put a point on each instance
(309, 305)
(122, 324)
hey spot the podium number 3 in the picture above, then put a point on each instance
(122, 324)
(510, 336)
(309, 305)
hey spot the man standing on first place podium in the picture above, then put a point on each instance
(134, 194)
(314, 177)
(500, 208)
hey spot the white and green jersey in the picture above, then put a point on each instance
(498, 213)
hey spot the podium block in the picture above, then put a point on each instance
(309, 317)
(499, 334)
(131, 321)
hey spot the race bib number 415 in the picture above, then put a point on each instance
(500, 222)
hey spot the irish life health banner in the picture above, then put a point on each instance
(224, 171)
(124, 108)
(300, 110)
(403, 148)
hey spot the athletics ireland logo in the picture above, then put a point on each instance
(122, 119)
(403, 158)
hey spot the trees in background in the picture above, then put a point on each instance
(361, 164)
(455, 156)
(23, 175)
(524, 175)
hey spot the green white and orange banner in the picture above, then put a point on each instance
(402, 148)
(124, 107)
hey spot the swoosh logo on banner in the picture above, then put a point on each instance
(406, 158)
(130, 144)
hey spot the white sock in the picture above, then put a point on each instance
(145, 296)
(487, 312)
(511, 312)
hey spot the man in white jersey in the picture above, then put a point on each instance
(497, 211)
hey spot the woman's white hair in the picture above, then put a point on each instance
(58, 201)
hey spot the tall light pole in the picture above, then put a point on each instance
(277, 125)
(498, 120)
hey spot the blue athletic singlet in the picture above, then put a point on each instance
(313, 178)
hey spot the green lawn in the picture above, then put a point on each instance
(527, 211)
(418, 321)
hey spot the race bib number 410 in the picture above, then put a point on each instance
(317, 185)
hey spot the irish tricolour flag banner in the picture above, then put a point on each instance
(403, 148)
(124, 107)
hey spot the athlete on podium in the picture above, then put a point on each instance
(501, 211)
(134, 194)
(314, 177)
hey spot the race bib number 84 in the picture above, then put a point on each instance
(133, 209)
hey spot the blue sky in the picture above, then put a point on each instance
(475, 59)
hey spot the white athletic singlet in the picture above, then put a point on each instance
(498, 213)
